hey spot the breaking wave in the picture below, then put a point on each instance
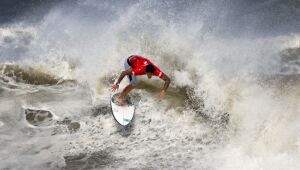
(233, 102)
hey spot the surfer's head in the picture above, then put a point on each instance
(150, 70)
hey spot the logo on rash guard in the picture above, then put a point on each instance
(145, 63)
(160, 73)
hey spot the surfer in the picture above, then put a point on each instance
(135, 66)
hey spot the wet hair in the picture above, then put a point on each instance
(150, 68)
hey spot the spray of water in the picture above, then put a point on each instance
(231, 104)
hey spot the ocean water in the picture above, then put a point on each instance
(233, 102)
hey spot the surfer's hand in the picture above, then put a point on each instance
(115, 87)
(162, 94)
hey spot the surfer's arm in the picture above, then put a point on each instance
(167, 82)
(166, 85)
(123, 74)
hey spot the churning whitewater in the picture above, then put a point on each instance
(233, 102)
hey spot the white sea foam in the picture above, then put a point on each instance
(89, 42)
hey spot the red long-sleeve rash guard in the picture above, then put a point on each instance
(138, 66)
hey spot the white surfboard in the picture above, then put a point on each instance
(122, 114)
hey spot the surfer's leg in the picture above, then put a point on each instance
(121, 97)
(128, 88)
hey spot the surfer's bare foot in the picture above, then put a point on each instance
(121, 101)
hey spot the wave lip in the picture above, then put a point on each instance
(30, 75)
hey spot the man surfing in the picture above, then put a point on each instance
(135, 66)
